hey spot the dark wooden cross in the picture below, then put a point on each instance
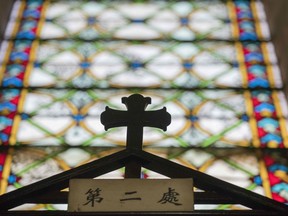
(135, 118)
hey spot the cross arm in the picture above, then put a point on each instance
(113, 118)
(157, 118)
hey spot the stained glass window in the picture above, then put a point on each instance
(211, 63)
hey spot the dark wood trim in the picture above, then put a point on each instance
(61, 181)
(277, 17)
(194, 213)
(258, 203)
(5, 11)
(210, 184)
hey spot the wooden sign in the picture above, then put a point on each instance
(110, 195)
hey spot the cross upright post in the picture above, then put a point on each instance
(135, 118)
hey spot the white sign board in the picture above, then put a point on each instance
(110, 195)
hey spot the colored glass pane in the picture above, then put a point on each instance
(211, 63)
(199, 117)
(101, 64)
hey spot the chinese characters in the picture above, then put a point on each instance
(130, 198)
(124, 195)
(170, 197)
(93, 196)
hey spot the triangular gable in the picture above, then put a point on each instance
(216, 191)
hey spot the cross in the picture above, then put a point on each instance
(135, 118)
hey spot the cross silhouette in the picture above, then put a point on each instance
(135, 118)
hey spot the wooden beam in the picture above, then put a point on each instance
(212, 184)
(277, 17)
(61, 181)
(154, 163)
(5, 10)
(194, 213)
